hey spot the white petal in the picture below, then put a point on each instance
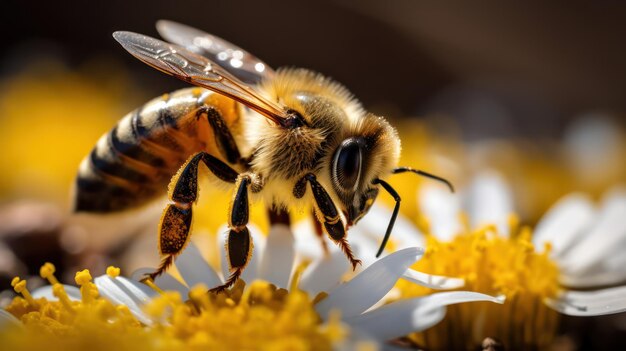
(489, 201)
(164, 281)
(222, 235)
(324, 274)
(277, 261)
(565, 223)
(126, 292)
(374, 225)
(590, 303)
(601, 276)
(603, 246)
(73, 293)
(364, 247)
(412, 315)
(442, 209)
(369, 286)
(194, 269)
(7, 319)
(432, 281)
(307, 244)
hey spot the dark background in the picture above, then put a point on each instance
(541, 64)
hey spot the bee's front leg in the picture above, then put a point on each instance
(176, 219)
(239, 245)
(327, 214)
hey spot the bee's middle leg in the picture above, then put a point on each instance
(327, 214)
(239, 245)
(175, 224)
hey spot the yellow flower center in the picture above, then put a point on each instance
(259, 316)
(494, 265)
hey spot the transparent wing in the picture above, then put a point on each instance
(198, 70)
(237, 61)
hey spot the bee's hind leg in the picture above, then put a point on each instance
(175, 224)
(327, 214)
(239, 245)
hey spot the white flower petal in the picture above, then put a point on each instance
(73, 293)
(602, 247)
(324, 274)
(600, 276)
(369, 286)
(590, 303)
(277, 261)
(7, 319)
(412, 315)
(165, 281)
(194, 269)
(432, 281)
(489, 201)
(565, 223)
(222, 235)
(374, 225)
(126, 292)
(442, 208)
(307, 244)
(364, 247)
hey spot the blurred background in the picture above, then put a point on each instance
(535, 91)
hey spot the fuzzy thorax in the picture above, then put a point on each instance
(331, 115)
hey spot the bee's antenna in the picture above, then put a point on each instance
(396, 197)
(424, 174)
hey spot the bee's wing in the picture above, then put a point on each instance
(198, 70)
(239, 62)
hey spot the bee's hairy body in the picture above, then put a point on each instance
(134, 162)
(290, 137)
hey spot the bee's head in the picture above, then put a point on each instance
(356, 147)
(368, 152)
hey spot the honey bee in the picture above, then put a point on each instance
(272, 135)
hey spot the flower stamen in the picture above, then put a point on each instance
(19, 286)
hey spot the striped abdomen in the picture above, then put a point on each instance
(134, 162)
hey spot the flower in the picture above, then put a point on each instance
(262, 314)
(475, 237)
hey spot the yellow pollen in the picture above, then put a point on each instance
(113, 272)
(59, 291)
(20, 287)
(83, 277)
(295, 278)
(258, 316)
(149, 282)
(88, 290)
(492, 264)
(47, 272)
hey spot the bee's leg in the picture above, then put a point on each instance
(176, 219)
(239, 245)
(223, 137)
(329, 217)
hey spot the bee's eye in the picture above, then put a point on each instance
(347, 164)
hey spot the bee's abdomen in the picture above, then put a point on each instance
(133, 163)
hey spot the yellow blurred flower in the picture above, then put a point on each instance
(51, 117)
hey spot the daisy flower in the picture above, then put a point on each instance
(474, 236)
(274, 311)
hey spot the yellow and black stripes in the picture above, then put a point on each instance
(133, 163)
